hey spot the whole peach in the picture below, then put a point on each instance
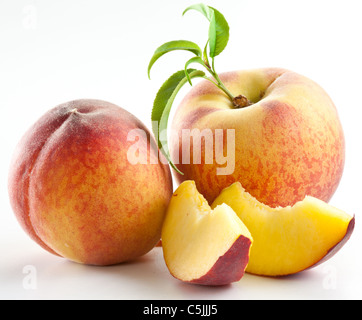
(287, 144)
(80, 193)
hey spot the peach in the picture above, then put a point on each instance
(291, 239)
(204, 246)
(289, 142)
(80, 193)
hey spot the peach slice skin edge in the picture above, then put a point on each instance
(231, 265)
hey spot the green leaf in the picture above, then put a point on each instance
(193, 60)
(203, 8)
(222, 33)
(172, 46)
(218, 30)
(162, 107)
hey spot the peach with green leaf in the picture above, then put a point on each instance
(288, 140)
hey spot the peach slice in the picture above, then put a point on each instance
(200, 245)
(291, 239)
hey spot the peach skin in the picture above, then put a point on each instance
(78, 191)
(289, 141)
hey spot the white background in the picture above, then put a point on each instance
(53, 51)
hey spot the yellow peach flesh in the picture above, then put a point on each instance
(287, 240)
(194, 237)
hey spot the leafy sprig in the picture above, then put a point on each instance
(217, 41)
(162, 107)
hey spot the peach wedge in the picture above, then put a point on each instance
(203, 246)
(290, 239)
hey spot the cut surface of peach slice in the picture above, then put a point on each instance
(200, 245)
(291, 239)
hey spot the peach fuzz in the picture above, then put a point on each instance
(75, 192)
(288, 144)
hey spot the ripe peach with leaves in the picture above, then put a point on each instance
(289, 141)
